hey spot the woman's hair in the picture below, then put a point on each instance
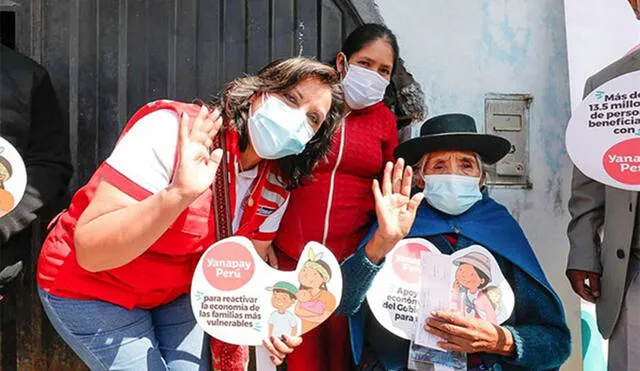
(5, 171)
(281, 76)
(366, 34)
(326, 267)
(483, 276)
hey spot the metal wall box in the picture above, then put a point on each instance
(507, 115)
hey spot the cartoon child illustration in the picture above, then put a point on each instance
(6, 198)
(471, 277)
(315, 302)
(282, 321)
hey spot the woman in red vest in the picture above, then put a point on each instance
(115, 271)
(336, 207)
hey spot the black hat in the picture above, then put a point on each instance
(453, 132)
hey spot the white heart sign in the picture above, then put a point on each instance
(238, 298)
(603, 135)
(13, 177)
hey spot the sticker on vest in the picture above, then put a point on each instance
(13, 177)
(394, 291)
(603, 134)
(265, 210)
(238, 298)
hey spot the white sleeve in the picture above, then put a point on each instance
(272, 222)
(272, 318)
(146, 154)
(292, 319)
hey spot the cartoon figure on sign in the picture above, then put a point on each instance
(495, 296)
(315, 302)
(470, 296)
(6, 198)
(283, 322)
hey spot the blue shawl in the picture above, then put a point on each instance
(488, 224)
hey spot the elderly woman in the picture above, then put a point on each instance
(457, 213)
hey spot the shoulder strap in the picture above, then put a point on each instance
(220, 187)
(225, 356)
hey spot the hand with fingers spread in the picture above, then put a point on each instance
(281, 347)
(586, 284)
(469, 335)
(197, 164)
(395, 209)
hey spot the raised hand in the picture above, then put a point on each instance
(197, 164)
(395, 209)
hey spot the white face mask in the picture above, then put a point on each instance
(277, 130)
(363, 87)
(452, 194)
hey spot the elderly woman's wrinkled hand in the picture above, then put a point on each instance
(469, 335)
(395, 209)
(281, 347)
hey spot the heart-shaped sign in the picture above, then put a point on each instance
(469, 282)
(13, 177)
(238, 298)
(394, 291)
(415, 266)
(603, 135)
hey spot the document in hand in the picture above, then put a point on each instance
(468, 282)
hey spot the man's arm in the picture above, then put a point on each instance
(586, 207)
(46, 158)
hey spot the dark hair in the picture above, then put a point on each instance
(327, 268)
(281, 76)
(293, 297)
(366, 34)
(483, 276)
(5, 167)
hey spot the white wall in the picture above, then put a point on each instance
(460, 50)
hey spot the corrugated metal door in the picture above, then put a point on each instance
(109, 57)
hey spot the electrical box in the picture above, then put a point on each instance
(507, 115)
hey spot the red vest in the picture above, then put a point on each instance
(163, 272)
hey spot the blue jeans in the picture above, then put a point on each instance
(109, 337)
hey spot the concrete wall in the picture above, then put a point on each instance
(461, 50)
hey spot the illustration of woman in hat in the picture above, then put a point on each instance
(471, 278)
(6, 198)
(315, 302)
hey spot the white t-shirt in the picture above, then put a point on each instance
(282, 323)
(146, 155)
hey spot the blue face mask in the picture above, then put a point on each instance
(452, 194)
(276, 130)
